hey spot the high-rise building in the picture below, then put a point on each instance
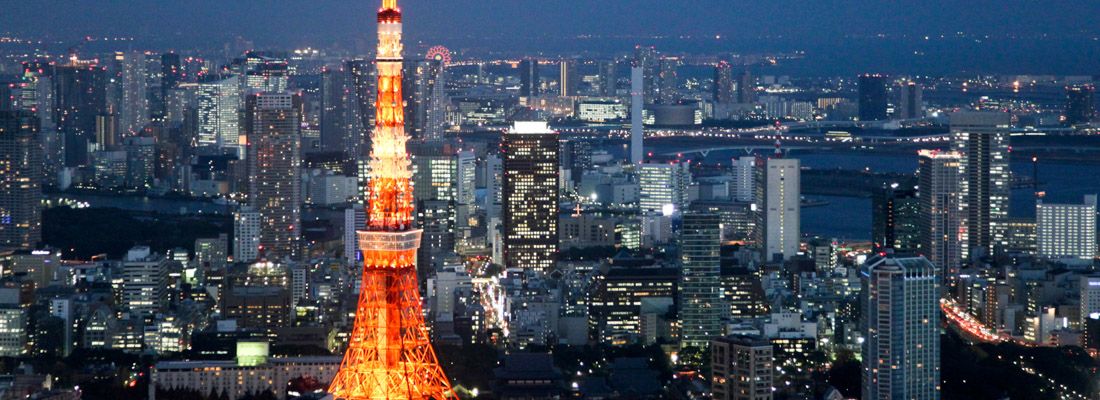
(723, 89)
(873, 100)
(782, 207)
(144, 281)
(355, 219)
(246, 235)
(637, 103)
(669, 81)
(701, 308)
(569, 78)
(1080, 105)
(983, 140)
(1090, 298)
(363, 76)
(609, 78)
(170, 76)
(529, 78)
(20, 180)
(80, 94)
(141, 156)
(663, 187)
(531, 158)
(742, 367)
(435, 190)
(129, 95)
(425, 99)
(744, 179)
(273, 126)
(646, 58)
(746, 87)
(910, 100)
(895, 219)
(901, 328)
(341, 126)
(1067, 231)
(218, 121)
(938, 190)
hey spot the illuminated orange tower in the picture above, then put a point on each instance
(389, 355)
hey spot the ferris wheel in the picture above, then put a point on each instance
(439, 53)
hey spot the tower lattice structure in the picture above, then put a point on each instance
(389, 354)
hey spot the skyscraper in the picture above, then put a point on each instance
(668, 81)
(873, 100)
(435, 190)
(1067, 231)
(1080, 105)
(938, 189)
(218, 122)
(529, 78)
(20, 180)
(743, 368)
(983, 140)
(646, 58)
(782, 207)
(569, 79)
(700, 286)
(609, 78)
(895, 219)
(910, 100)
(425, 99)
(341, 126)
(663, 187)
(637, 103)
(247, 224)
(80, 94)
(900, 323)
(531, 158)
(130, 96)
(723, 89)
(744, 179)
(144, 281)
(273, 123)
(746, 87)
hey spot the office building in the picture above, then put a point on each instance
(743, 186)
(252, 372)
(1080, 105)
(531, 158)
(742, 368)
(144, 281)
(746, 87)
(341, 125)
(529, 78)
(435, 191)
(873, 100)
(218, 124)
(701, 309)
(910, 101)
(1090, 299)
(646, 58)
(426, 101)
(663, 187)
(273, 122)
(609, 78)
(983, 140)
(901, 328)
(261, 307)
(355, 219)
(723, 88)
(938, 190)
(1067, 231)
(615, 305)
(895, 219)
(80, 94)
(569, 78)
(20, 180)
(782, 210)
(247, 224)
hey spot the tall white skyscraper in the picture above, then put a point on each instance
(246, 235)
(744, 181)
(938, 193)
(1067, 231)
(663, 187)
(637, 133)
(983, 140)
(218, 116)
(900, 324)
(782, 207)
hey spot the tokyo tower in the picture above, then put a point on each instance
(389, 355)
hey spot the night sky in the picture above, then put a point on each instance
(549, 25)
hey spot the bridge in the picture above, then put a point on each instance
(747, 148)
